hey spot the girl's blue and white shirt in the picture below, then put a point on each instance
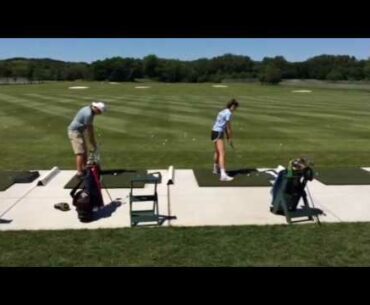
(222, 119)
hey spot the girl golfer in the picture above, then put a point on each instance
(221, 127)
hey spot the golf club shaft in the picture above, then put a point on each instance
(102, 183)
(106, 190)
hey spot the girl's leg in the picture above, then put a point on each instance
(222, 160)
(216, 165)
(220, 148)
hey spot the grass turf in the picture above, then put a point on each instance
(122, 179)
(343, 176)
(345, 244)
(169, 124)
(242, 177)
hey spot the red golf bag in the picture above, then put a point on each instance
(89, 196)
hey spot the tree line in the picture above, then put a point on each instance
(216, 69)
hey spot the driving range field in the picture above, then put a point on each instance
(171, 124)
(157, 125)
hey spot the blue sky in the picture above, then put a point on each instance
(89, 50)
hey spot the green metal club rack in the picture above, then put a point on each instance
(147, 216)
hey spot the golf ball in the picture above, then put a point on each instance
(193, 139)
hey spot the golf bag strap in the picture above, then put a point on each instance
(72, 193)
(96, 173)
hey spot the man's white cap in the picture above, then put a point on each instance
(100, 105)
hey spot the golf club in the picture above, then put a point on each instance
(106, 190)
(98, 159)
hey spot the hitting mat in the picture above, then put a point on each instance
(112, 179)
(242, 177)
(8, 178)
(343, 176)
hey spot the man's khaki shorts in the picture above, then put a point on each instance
(78, 142)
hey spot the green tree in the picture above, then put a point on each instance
(270, 75)
(19, 69)
(201, 69)
(39, 74)
(229, 63)
(335, 74)
(31, 72)
(75, 71)
(367, 69)
(150, 66)
(171, 71)
(355, 72)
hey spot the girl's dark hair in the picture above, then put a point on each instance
(232, 103)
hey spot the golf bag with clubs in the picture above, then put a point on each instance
(289, 189)
(89, 197)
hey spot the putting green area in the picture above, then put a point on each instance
(242, 177)
(343, 176)
(113, 179)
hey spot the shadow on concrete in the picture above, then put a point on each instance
(303, 212)
(117, 171)
(5, 221)
(107, 210)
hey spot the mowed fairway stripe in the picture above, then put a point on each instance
(50, 98)
(297, 108)
(154, 102)
(167, 112)
(151, 103)
(111, 124)
(53, 110)
(119, 122)
(185, 119)
(242, 113)
(173, 123)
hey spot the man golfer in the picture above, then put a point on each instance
(81, 130)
